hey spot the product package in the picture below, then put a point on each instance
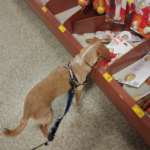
(141, 19)
(107, 3)
(118, 47)
(133, 6)
(138, 74)
(115, 12)
(148, 81)
(128, 8)
(109, 35)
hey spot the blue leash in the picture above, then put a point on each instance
(54, 129)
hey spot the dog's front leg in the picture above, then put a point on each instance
(78, 94)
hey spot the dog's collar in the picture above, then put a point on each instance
(87, 63)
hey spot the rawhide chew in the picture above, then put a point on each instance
(136, 96)
(130, 77)
(147, 98)
(141, 102)
(147, 58)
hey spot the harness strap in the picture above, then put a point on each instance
(54, 129)
(73, 77)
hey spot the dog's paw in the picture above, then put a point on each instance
(78, 107)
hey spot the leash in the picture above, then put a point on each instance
(54, 129)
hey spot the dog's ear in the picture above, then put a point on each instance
(103, 52)
(92, 40)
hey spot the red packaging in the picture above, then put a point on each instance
(133, 6)
(119, 11)
(107, 2)
(141, 19)
(128, 8)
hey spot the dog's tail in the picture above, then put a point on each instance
(15, 132)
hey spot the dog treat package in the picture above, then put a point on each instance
(109, 35)
(144, 101)
(148, 80)
(107, 2)
(133, 6)
(116, 11)
(128, 8)
(141, 18)
(117, 48)
(138, 74)
(105, 35)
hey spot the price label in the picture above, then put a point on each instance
(62, 28)
(130, 1)
(44, 8)
(107, 76)
(138, 111)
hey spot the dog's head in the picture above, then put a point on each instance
(102, 51)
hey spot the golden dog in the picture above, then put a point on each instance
(38, 102)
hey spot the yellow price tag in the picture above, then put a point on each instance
(44, 8)
(107, 76)
(138, 111)
(62, 28)
(130, 1)
(81, 50)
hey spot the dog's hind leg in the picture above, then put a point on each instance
(49, 121)
(78, 94)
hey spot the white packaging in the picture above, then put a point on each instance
(118, 46)
(145, 94)
(141, 72)
(108, 35)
